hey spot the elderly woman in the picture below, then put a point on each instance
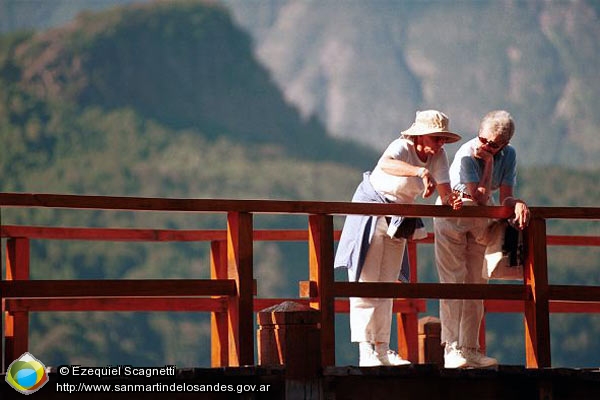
(372, 247)
(482, 166)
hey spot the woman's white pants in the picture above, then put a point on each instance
(371, 318)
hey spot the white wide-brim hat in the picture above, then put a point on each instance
(432, 122)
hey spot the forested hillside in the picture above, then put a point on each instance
(363, 68)
(167, 100)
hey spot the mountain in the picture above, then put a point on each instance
(121, 103)
(144, 54)
(364, 67)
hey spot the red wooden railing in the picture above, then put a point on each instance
(230, 293)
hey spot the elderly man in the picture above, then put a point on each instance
(482, 166)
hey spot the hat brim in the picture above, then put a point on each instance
(450, 136)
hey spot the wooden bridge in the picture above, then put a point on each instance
(230, 294)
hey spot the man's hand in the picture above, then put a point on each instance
(481, 153)
(521, 215)
(454, 200)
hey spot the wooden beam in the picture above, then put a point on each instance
(117, 288)
(40, 200)
(219, 336)
(556, 306)
(320, 246)
(112, 234)
(574, 292)
(562, 240)
(408, 323)
(146, 235)
(240, 269)
(187, 304)
(431, 290)
(342, 306)
(16, 325)
(537, 309)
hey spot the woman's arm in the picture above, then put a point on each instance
(395, 167)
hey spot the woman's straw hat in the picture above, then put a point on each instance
(431, 122)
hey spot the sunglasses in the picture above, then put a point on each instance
(490, 143)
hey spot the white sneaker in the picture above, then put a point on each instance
(375, 356)
(476, 359)
(387, 356)
(453, 356)
(367, 356)
(392, 358)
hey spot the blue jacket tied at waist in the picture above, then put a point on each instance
(358, 231)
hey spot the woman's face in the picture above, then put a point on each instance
(431, 144)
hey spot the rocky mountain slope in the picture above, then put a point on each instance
(365, 67)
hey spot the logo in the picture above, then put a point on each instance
(27, 374)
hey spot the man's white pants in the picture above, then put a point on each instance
(459, 259)
(371, 318)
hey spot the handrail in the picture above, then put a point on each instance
(231, 261)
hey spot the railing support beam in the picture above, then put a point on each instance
(320, 246)
(537, 309)
(219, 347)
(239, 268)
(16, 329)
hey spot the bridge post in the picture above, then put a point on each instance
(407, 324)
(219, 348)
(320, 247)
(240, 312)
(16, 329)
(537, 308)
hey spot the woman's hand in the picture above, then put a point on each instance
(428, 182)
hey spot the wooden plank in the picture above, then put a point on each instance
(574, 292)
(16, 325)
(40, 200)
(146, 235)
(219, 336)
(112, 234)
(16, 336)
(556, 306)
(320, 245)
(430, 290)
(537, 309)
(574, 307)
(3, 343)
(188, 304)
(407, 325)
(562, 240)
(173, 235)
(240, 269)
(17, 259)
(117, 288)
(566, 212)
(342, 306)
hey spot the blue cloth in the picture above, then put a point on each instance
(467, 169)
(358, 231)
